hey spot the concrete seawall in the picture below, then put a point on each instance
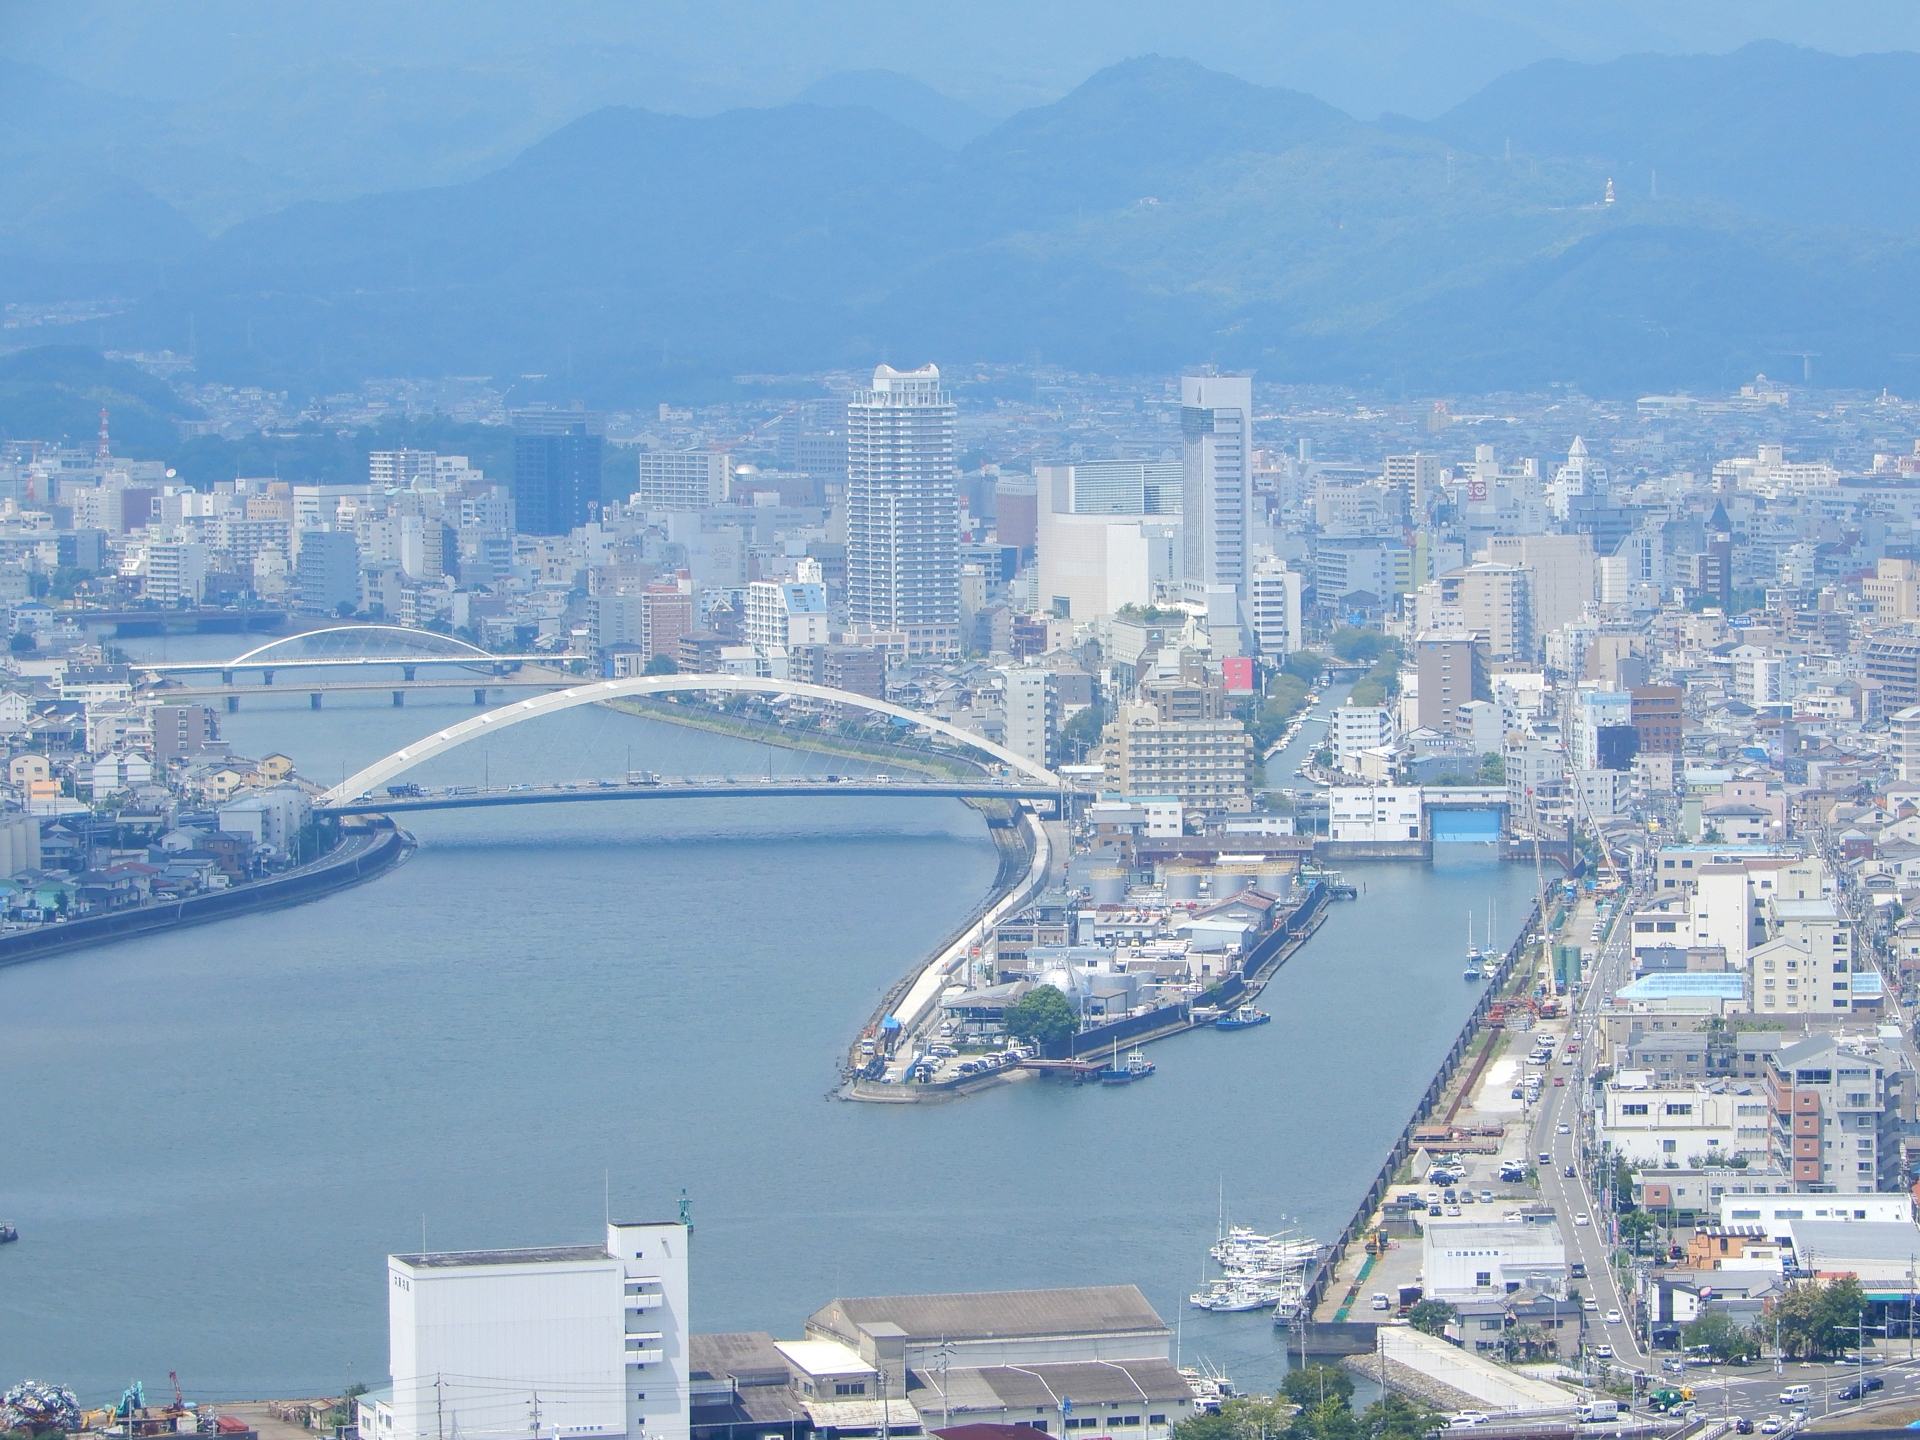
(365, 853)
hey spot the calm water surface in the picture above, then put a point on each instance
(211, 1140)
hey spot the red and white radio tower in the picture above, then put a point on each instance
(103, 454)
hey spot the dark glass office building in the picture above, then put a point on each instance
(556, 468)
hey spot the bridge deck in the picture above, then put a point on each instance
(689, 790)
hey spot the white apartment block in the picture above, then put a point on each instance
(1031, 704)
(1374, 814)
(566, 1342)
(1354, 728)
(1273, 607)
(782, 616)
(683, 480)
(1681, 1125)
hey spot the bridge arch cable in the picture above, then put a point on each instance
(493, 722)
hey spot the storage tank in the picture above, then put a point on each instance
(1183, 882)
(1230, 880)
(1276, 878)
(1109, 885)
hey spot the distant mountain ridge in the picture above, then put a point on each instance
(1158, 215)
(904, 100)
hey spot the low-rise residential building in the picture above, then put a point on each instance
(1682, 1125)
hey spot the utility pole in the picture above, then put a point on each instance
(534, 1411)
(439, 1410)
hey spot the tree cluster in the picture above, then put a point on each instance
(1314, 1403)
(1043, 1015)
(1822, 1317)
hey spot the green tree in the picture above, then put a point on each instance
(1493, 770)
(1350, 642)
(1431, 1316)
(1723, 1339)
(662, 665)
(1843, 1306)
(1636, 1225)
(1307, 665)
(1082, 734)
(1243, 1417)
(1311, 1385)
(1043, 1015)
(1396, 1417)
(22, 642)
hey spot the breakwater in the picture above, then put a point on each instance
(1422, 1112)
(365, 851)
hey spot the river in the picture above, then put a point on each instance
(210, 1140)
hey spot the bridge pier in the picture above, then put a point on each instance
(313, 701)
(400, 698)
(479, 697)
(406, 671)
(226, 677)
(233, 704)
(266, 677)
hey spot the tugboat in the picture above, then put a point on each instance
(7, 1233)
(1135, 1067)
(1244, 1018)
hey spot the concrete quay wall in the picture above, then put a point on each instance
(1422, 1112)
(361, 857)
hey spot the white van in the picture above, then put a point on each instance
(1796, 1395)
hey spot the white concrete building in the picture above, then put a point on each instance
(1679, 1126)
(1273, 607)
(1354, 728)
(1031, 706)
(785, 616)
(1468, 1257)
(1374, 813)
(1774, 1211)
(683, 479)
(566, 1342)
(269, 817)
(903, 510)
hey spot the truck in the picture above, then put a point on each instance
(1668, 1397)
(1591, 1412)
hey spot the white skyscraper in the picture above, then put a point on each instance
(1216, 428)
(903, 511)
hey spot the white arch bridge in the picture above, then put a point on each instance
(361, 793)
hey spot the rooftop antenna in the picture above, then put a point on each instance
(686, 1210)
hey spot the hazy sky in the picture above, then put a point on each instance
(1412, 56)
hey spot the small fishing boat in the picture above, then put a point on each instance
(1244, 1018)
(1135, 1067)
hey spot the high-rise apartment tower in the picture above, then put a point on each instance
(903, 510)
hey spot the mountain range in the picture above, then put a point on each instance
(1647, 222)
